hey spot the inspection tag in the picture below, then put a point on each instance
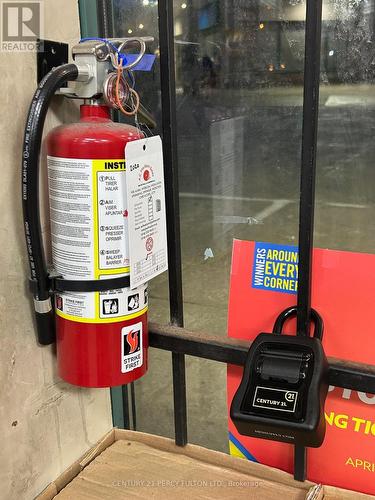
(146, 209)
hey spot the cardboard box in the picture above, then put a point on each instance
(133, 465)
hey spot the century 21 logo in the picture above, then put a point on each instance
(21, 25)
(290, 396)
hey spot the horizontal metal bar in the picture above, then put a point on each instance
(342, 373)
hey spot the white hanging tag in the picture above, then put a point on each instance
(146, 209)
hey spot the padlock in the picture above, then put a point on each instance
(284, 386)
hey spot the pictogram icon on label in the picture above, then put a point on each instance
(109, 306)
(149, 244)
(131, 347)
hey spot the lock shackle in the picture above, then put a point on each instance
(291, 312)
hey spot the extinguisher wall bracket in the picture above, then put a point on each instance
(92, 57)
(58, 284)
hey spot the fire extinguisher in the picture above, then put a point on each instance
(85, 302)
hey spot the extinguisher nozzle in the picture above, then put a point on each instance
(45, 327)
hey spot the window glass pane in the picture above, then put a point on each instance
(345, 175)
(239, 74)
(239, 127)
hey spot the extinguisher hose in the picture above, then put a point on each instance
(44, 312)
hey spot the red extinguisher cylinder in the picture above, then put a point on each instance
(102, 337)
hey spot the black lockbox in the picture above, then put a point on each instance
(283, 389)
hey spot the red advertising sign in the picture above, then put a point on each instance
(264, 280)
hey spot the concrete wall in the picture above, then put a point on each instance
(45, 424)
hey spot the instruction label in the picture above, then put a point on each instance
(146, 210)
(112, 217)
(72, 214)
(89, 229)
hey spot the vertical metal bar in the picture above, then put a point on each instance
(125, 406)
(307, 189)
(117, 405)
(105, 18)
(179, 399)
(168, 101)
(308, 161)
(279, 27)
(106, 29)
(300, 463)
(134, 409)
(88, 18)
(169, 127)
